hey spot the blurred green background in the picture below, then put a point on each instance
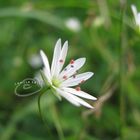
(94, 30)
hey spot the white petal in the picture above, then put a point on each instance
(77, 79)
(80, 93)
(67, 96)
(56, 55)
(46, 75)
(46, 64)
(56, 93)
(72, 68)
(134, 10)
(138, 19)
(81, 101)
(63, 56)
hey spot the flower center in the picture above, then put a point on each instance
(56, 82)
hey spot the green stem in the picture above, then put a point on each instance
(40, 113)
(121, 71)
(57, 123)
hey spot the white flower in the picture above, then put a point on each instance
(136, 16)
(73, 24)
(60, 81)
(35, 61)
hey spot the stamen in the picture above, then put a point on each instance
(72, 66)
(72, 61)
(65, 77)
(82, 81)
(78, 88)
(61, 61)
(74, 76)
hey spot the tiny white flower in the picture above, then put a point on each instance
(35, 61)
(61, 81)
(136, 16)
(73, 24)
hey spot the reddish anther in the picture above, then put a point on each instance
(78, 88)
(72, 61)
(82, 81)
(61, 61)
(64, 77)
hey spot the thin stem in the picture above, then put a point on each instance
(40, 113)
(121, 71)
(57, 122)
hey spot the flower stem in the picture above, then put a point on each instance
(121, 71)
(40, 113)
(57, 122)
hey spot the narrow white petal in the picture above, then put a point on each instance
(134, 10)
(80, 93)
(46, 75)
(46, 64)
(56, 93)
(138, 19)
(62, 56)
(77, 79)
(72, 68)
(56, 55)
(81, 101)
(67, 96)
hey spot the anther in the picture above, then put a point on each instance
(74, 76)
(64, 77)
(82, 81)
(78, 88)
(72, 61)
(61, 61)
